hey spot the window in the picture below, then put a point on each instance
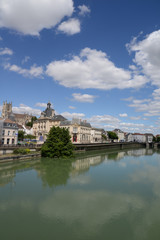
(8, 140)
(8, 133)
(2, 140)
(12, 140)
(3, 132)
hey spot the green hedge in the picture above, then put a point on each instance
(21, 151)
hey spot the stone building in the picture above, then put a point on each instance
(9, 132)
(43, 124)
(96, 135)
(21, 119)
(80, 131)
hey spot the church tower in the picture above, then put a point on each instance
(7, 109)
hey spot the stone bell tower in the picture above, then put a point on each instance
(7, 109)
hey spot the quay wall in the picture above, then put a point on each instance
(103, 146)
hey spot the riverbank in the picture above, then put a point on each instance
(11, 157)
(78, 149)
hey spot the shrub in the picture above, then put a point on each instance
(21, 151)
(58, 144)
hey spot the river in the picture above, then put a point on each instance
(100, 195)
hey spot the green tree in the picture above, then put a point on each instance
(29, 136)
(30, 124)
(58, 144)
(104, 137)
(112, 135)
(20, 135)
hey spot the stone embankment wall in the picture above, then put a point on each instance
(103, 146)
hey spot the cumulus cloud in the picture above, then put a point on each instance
(70, 27)
(105, 119)
(83, 97)
(73, 115)
(150, 107)
(26, 109)
(26, 59)
(6, 51)
(30, 17)
(72, 107)
(44, 105)
(93, 69)
(34, 71)
(123, 115)
(147, 54)
(84, 10)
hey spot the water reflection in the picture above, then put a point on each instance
(92, 197)
(57, 172)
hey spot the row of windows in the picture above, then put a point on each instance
(8, 133)
(9, 141)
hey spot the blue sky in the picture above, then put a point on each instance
(93, 59)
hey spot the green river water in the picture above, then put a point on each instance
(102, 195)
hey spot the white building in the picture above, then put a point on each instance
(96, 135)
(9, 131)
(120, 134)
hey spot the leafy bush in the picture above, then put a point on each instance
(21, 151)
(58, 144)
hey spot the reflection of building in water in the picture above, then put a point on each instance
(6, 177)
(85, 163)
(120, 155)
(140, 152)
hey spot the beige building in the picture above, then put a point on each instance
(9, 132)
(21, 119)
(120, 134)
(80, 131)
(96, 135)
(47, 120)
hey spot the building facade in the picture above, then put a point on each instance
(80, 131)
(45, 122)
(9, 132)
(7, 113)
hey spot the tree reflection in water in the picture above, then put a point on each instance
(54, 172)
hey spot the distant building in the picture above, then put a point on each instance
(21, 119)
(80, 131)
(139, 137)
(120, 134)
(9, 132)
(43, 124)
(96, 135)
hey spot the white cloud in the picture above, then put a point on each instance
(136, 118)
(93, 69)
(84, 10)
(70, 27)
(26, 59)
(1, 38)
(123, 115)
(83, 97)
(147, 54)
(34, 71)
(6, 51)
(44, 105)
(150, 107)
(73, 115)
(103, 119)
(30, 17)
(72, 107)
(26, 109)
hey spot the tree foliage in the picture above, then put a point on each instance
(58, 144)
(20, 135)
(112, 135)
(30, 124)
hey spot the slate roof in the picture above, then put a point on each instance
(58, 118)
